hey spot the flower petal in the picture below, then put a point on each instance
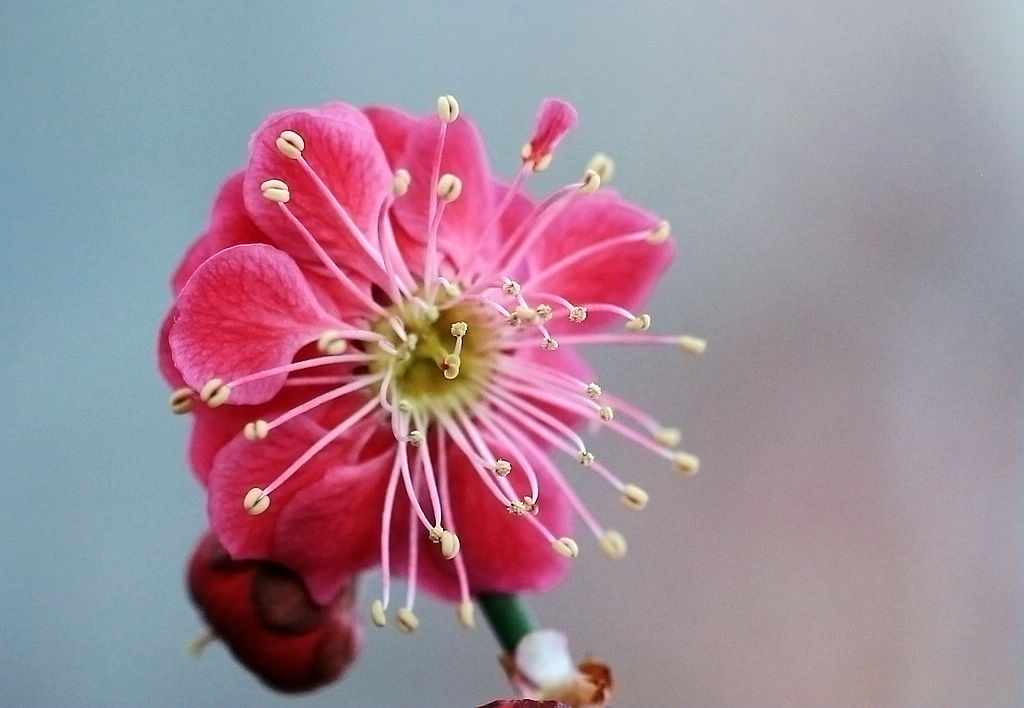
(623, 273)
(342, 149)
(331, 529)
(502, 552)
(245, 310)
(463, 222)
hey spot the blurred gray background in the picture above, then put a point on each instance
(845, 181)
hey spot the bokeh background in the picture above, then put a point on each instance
(845, 181)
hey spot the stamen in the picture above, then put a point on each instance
(669, 437)
(593, 391)
(634, 497)
(692, 345)
(567, 547)
(415, 438)
(549, 344)
(290, 144)
(401, 182)
(331, 342)
(466, 614)
(449, 187)
(577, 313)
(256, 501)
(181, 400)
(256, 430)
(613, 544)
(640, 323)
(591, 181)
(377, 613)
(603, 165)
(686, 463)
(659, 234)
(511, 288)
(447, 108)
(502, 468)
(606, 413)
(214, 392)
(276, 191)
(585, 458)
(450, 544)
(407, 619)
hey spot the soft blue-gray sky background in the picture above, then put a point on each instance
(845, 180)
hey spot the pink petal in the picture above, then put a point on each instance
(331, 529)
(343, 151)
(555, 118)
(230, 225)
(622, 274)
(464, 219)
(246, 309)
(392, 127)
(502, 553)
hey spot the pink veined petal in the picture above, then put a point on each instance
(392, 127)
(244, 464)
(230, 225)
(343, 151)
(331, 529)
(623, 274)
(502, 553)
(246, 309)
(163, 351)
(464, 219)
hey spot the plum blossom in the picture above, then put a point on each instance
(378, 341)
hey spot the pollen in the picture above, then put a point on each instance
(685, 463)
(276, 191)
(692, 345)
(290, 144)
(181, 400)
(214, 393)
(407, 620)
(613, 544)
(256, 501)
(566, 546)
(634, 497)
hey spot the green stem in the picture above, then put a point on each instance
(509, 617)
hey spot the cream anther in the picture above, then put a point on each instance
(434, 534)
(466, 614)
(659, 233)
(542, 163)
(405, 405)
(415, 438)
(290, 144)
(685, 463)
(606, 413)
(565, 546)
(593, 391)
(407, 619)
(640, 323)
(634, 497)
(516, 508)
(377, 613)
(214, 392)
(449, 187)
(577, 313)
(613, 544)
(181, 400)
(451, 364)
(529, 504)
(276, 191)
(450, 289)
(549, 344)
(502, 468)
(585, 458)
(255, 501)
(459, 329)
(526, 314)
(256, 430)
(669, 437)
(511, 288)
(603, 165)
(591, 181)
(543, 312)
(450, 544)
(331, 342)
(401, 182)
(447, 108)
(692, 345)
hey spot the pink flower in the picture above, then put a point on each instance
(377, 339)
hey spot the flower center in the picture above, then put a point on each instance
(436, 360)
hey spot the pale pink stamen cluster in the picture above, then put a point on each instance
(505, 405)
